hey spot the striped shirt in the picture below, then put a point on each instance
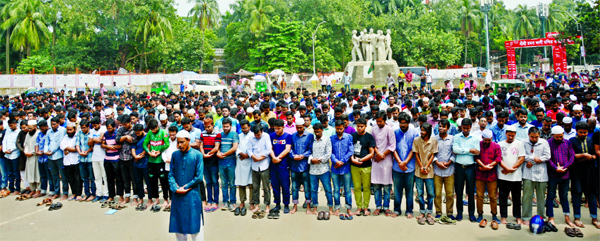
(111, 155)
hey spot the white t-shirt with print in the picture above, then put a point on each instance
(510, 155)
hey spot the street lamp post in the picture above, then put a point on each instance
(542, 10)
(313, 37)
(580, 30)
(486, 6)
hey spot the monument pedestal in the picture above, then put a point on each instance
(360, 76)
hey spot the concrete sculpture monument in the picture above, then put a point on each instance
(371, 47)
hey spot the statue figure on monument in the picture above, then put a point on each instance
(364, 44)
(388, 43)
(368, 41)
(356, 50)
(381, 54)
(373, 44)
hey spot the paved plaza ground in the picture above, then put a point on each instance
(22, 220)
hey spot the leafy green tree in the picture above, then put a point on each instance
(259, 19)
(26, 18)
(205, 13)
(281, 46)
(154, 24)
(469, 19)
(41, 64)
(526, 21)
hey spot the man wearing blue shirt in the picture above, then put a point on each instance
(342, 150)
(404, 167)
(55, 156)
(280, 170)
(522, 126)
(229, 144)
(465, 146)
(302, 143)
(499, 130)
(11, 153)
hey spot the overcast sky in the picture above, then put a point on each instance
(183, 7)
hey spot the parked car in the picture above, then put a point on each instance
(206, 85)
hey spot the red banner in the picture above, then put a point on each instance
(558, 55)
(540, 42)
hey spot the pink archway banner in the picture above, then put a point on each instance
(559, 55)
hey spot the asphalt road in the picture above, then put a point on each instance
(22, 220)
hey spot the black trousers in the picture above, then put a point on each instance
(400, 85)
(114, 178)
(513, 188)
(128, 177)
(72, 173)
(157, 172)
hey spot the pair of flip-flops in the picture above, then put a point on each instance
(323, 215)
(549, 227)
(22, 197)
(260, 214)
(155, 208)
(273, 215)
(514, 226)
(55, 206)
(573, 232)
(107, 204)
(46, 201)
(167, 209)
(141, 207)
(346, 217)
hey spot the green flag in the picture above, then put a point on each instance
(372, 67)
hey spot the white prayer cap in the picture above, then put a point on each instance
(163, 117)
(108, 111)
(577, 107)
(249, 110)
(459, 121)
(450, 105)
(31, 122)
(183, 134)
(511, 129)
(444, 105)
(557, 130)
(299, 121)
(573, 98)
(160, 108)
(70, 124)
(191, 112)
(462, 91)
(567, 120)
(487, 134)
(425, 99)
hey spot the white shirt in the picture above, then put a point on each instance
(259, 147)
(510, 155)
(72, 157)
(98, 153)
(428, 77)
(167, 154)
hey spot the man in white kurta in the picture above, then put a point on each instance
(381, 169)
(32, 173)
(243, 169)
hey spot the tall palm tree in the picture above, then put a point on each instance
(556, 17)
(258, 11)
(26, 18)
(4, 16)
(469, 20)
(395, 6)
(205, 13)
(153, 24)
(525, 20)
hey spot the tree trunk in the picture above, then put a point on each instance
(145, 56)
(28, 50)
(7, 50)
(53, 40)
(466, 38)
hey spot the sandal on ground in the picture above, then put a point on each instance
(577, 233)
(326, 216)
(596, 224)
(320, 215)
(376, 212)
(167, 209)
(276, 215)
(342, 216)
(421, 221)
(243, 211)
(579, 224)
(388, 213)
(569, 232)
(349, 217)
(430, 220)
(261, 214)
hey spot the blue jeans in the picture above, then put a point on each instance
(578, 181)
(325, 179)
(563, 191)
(378, 188)
(14, 176)
(280, 181)
(227, 174)
(87, 177)
(58, 174)
(141, 175)
(3, 173)
(339, 180)
(347, 87)
(428, 86)
(430, 194)
(211, 177)
(300, 178)
(44, 176)
(403, 182)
